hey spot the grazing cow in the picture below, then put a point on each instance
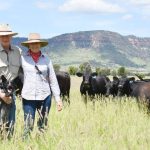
(99, 85)
(125, 86)
(8, 88)
(64, 82)
(92, 84)
(86, 85)
(112, 87)
(138, 89)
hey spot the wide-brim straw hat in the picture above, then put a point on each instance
(6, 30)
(34, 38)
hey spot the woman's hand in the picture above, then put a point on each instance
(6, 99)
(59, 105)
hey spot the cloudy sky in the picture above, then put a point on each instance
(54, 17)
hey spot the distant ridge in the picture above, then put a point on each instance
(101, 48)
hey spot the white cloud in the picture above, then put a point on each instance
(43, 4)
(140, 2)
(4, 6)
(90, 6)
(142, 5)
(127, 17)
(139, 7)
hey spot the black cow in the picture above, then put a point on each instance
(112, 87)
(64, 82)
(99, 85)
(8, 88)
(92, 84)
(138, 89)
(125, 86)
(86, 85)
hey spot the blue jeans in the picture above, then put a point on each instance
(30, 107)
(12, 116)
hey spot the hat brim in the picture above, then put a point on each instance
(8, 33)
(26, 44)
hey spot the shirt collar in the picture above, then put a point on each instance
(28, 54)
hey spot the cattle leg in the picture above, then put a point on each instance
(92, 98)
(68, 96)
(84, 97)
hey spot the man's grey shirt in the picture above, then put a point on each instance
(10, 62)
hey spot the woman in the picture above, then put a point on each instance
(39, 81)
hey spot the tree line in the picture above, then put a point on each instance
(121, 71)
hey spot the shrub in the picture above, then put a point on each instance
(122, 71)
(103, 71)
(72, 70)
(56, 67)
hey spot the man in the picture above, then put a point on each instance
(9, 66)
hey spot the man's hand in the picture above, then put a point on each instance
(59, 105)
(6, 99)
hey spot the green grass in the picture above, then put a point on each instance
(115, 124)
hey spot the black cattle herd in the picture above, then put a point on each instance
(92, 86)
(99, 85)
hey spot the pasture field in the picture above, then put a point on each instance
(114, 124)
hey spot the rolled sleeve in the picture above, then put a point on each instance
(54, 83)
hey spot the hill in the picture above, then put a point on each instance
(100, 48)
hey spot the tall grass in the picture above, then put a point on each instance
(114, 124)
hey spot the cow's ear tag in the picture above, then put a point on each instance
(131, 82)
(94, 77)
